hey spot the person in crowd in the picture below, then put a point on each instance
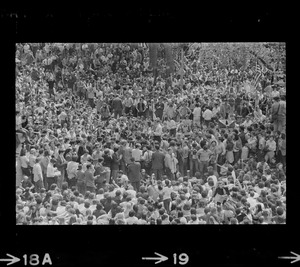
(90, 178)
(61, 164)
(134, 174)
(158, 162)
(52, 173)
(38, 175)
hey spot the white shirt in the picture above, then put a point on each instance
(60, 210)
(51, 170)
(158, 130)
(194, 222)
(167, 192)
(262, 142)
(141, 221)
(275, 93)
(271, 145)
(252, 202)
(131, 192)
(171, 124)
(72, 168)
(124, 179)
(37, 172)
(132, 220)
(136, 154)
(207, 114)
(257, 189)
(18, 120)
(183, 220)
(24, 161)
(93, 207)
(62, 116)
(99, 196)
(197, 112)
(247, 123)
(31, 160)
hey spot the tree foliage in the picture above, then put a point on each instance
(235, 55)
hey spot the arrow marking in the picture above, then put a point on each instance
(160, 258)
(295, 259)
(12, 259)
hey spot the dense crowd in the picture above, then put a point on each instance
(101, 140)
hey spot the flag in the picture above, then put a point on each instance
(257, 79)
(258, 67)
(176, 64)
(153, 55)
(264, 70)
(226, 123)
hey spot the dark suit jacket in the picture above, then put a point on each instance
(134, 172)
(158, 160)
(117, 104)
(61, 167)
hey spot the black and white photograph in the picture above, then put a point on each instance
(150, 133)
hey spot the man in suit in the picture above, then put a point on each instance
(159, 108)
(117, 106)
(126, 156)
(158, 162)
(61, 164)
(134, 174)
(279, 108)
(224, 109)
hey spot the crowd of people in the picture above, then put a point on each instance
(100, 139)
